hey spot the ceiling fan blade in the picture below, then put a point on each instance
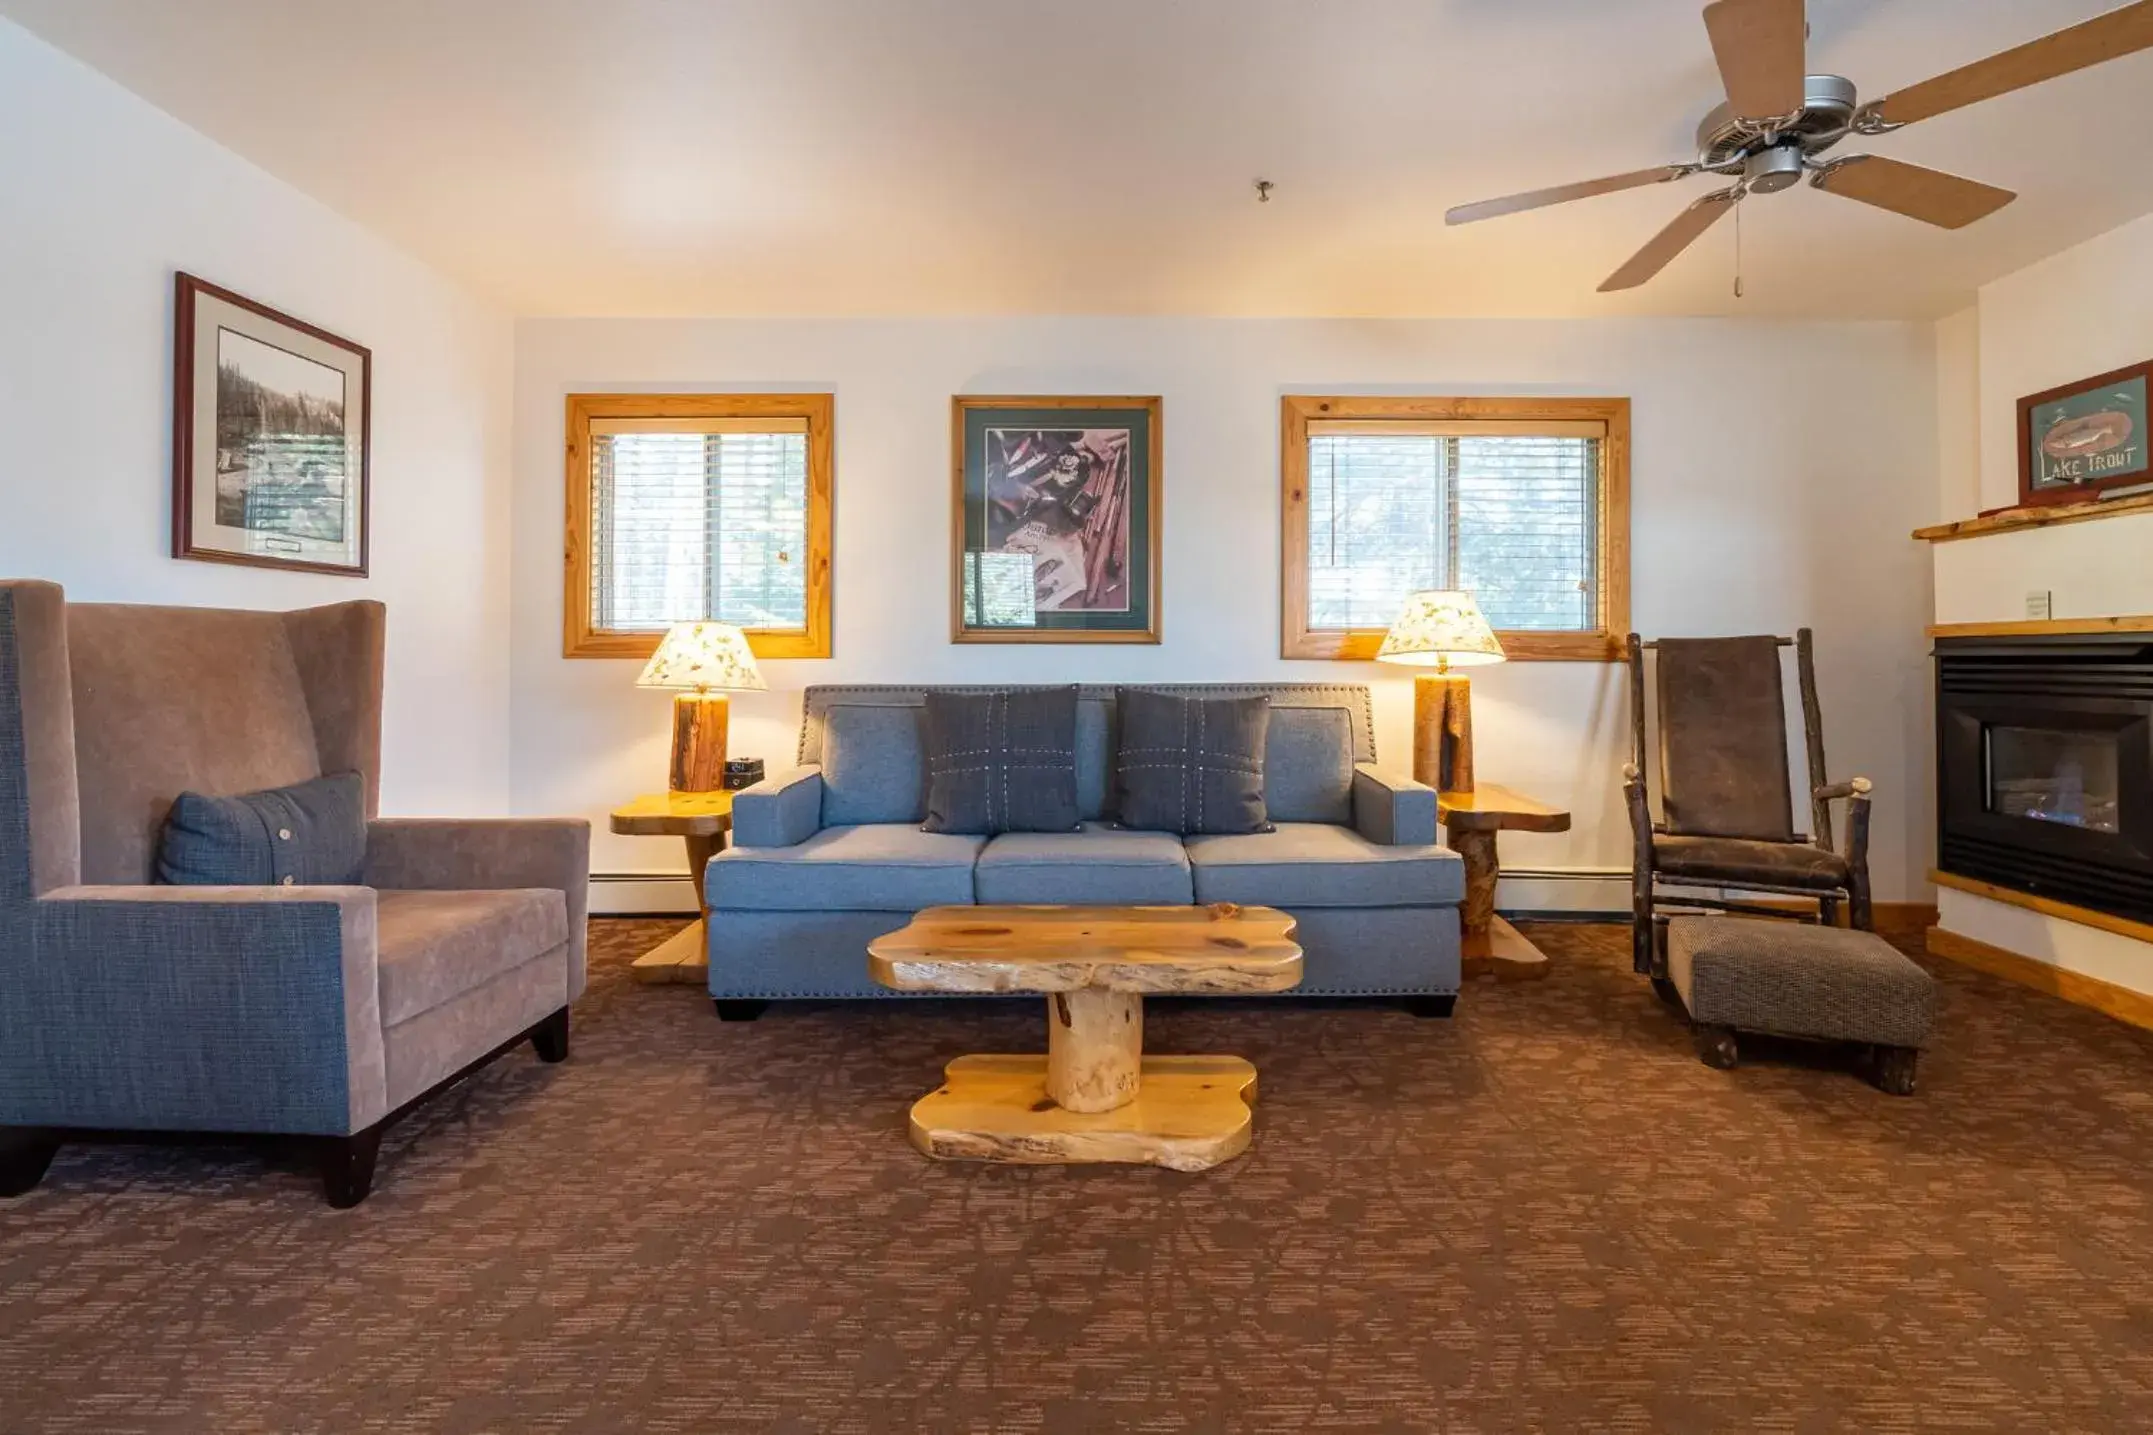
(2105, 37)
(1563, 193)
(1759, 45)
(1689, 225)
(1926, 194)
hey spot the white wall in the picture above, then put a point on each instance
(1778, 469)
(102, 197)
(2079, 313)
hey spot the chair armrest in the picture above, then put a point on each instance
(1391, 809)
(486, 854)
(783, 810)
(197, 1009)
(1855, 793)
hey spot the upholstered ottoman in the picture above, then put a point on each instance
(1788, 979)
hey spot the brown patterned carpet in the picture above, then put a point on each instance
(1544, 1215)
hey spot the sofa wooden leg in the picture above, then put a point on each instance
(347, 1166)
(550, 1037)
(1717, 1047)
(25, 1155)
(1892, 1069)
(1432, 1008)
(1667, 992)
(730, 1009)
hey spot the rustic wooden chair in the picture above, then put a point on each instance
(1727, 819)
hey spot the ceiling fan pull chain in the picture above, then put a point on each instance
(1738, 248)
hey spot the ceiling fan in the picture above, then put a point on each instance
(1778, 122)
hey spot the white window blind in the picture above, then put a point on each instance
(1508, 511)
(698, 518)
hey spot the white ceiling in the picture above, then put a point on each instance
(1097, 156)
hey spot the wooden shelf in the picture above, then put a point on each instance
(2042, 627)
(2046, 906)
(2018, 518)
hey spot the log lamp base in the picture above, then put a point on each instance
(699, 726)
(1443, 731)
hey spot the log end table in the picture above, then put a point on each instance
(1093, 1095)
(1488, 945)
(702, 819)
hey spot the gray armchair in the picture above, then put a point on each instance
(318, 1012)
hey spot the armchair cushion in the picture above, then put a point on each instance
(411, 854)
(1737, 862)
(436, 946)
(1392, 809)
(311, 834)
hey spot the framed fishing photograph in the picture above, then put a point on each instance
(269, 437)
(2084, 439)
(1056, 520)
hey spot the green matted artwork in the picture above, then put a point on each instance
(2083, 439)
(1055, 513)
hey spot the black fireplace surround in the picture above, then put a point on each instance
(2044, 766)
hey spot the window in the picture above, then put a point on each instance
(1523, 502)
(688, 506)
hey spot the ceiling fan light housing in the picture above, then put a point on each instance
(1768, 171)
(1829, 103)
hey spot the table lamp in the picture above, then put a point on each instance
(702, 661)
(1440, 629)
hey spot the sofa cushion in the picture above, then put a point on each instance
(1308, 764)
(435, 946)
(1002, 761)
(1189, 765)
(311, 834)
(874, 867)
(1315, 864)
(1096, 866)
(874, 765)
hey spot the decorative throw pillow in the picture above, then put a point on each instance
(1191, 765)
(1002, 761)
(312, 834)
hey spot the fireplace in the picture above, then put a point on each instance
(2044, 766)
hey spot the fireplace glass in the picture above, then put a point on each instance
(2051, 775)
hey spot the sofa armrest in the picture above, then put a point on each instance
(197, 1009)
(782, 810)
(485, 854)
(1392, 809)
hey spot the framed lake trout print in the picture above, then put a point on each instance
(1056, 520)
(269, 437)
(2084, 439)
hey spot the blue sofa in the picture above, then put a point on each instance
(829, 855)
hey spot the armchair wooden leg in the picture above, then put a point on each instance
(1828, 911)
(347, 1166)
(25, 1155)
(1859, 915)
(550, 1037)
(1641, 939)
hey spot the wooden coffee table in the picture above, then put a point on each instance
(1094, 1095)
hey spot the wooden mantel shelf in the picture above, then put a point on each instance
(2042, 627)
(2018, 518)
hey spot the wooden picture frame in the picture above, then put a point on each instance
(1085, 532)
(271, 437)
(580, 636)
(2077, 441)
(1602, 644)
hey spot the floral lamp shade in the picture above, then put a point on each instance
(700, 657)
(1440, 628)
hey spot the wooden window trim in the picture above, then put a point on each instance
(1296, 411)
(578, 638)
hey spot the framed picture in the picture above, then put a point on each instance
(2084, 438)
(269, 437)
(1056, 520)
